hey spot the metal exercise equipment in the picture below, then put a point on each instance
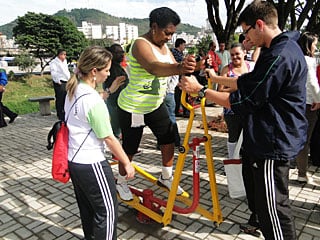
(149, 206)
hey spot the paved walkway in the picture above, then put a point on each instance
(33, 206)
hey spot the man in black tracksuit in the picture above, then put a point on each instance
(271, 100)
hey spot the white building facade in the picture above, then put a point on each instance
(123, 33)
(91, 31)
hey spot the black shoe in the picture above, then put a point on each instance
(253, 221)
(13, 118)
(248, 229)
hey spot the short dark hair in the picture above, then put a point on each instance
(60, 50)
(259, 9)
(211, 44)
(178, 42)
(305, 41)
(163, 16)
(234, 45)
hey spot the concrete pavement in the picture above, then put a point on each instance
(33, 206)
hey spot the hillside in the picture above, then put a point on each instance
(98, 17)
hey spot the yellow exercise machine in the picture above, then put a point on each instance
(148, 205)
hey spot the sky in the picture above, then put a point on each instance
(193, 12)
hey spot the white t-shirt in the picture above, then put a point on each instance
(312, 85)
(89, 112)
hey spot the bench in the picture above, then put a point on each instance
(44, 104)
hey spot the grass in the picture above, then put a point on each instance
(21, 88)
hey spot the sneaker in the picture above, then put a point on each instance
(167, 184)
(124, 191)
(248, 229)
(13, 118)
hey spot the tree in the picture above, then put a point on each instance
(233, 9)
(296, 12)
(308, 11)
(25, 62)
(42, 35)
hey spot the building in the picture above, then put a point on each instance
(123, 33)
(91, 31)
(112, 32)
(7, 46)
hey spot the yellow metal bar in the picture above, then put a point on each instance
(210, 84)
(136, 204)
(216, 214)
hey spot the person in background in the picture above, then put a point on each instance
(141, 102)
(117, 72)
(3, 109)
(271, 100)
(234, 121)
(172, 99)
(177, 51)
(89, 129)
(235, 68)
(60, 75)
(252, 52)
(215, 60)
(214, 63)
(314, 141)
(224, 55)
(308, 43)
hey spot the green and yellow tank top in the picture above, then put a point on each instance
(145, 92)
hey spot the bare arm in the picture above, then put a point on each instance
(120, 80)
(116, 148)
(191, 85)
(230, 82)
(142, 51)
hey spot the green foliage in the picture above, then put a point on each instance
(20, 89)
(25, 62)
(99, 17)
(7, 29)
(43, 34)
(203, 43)
(10, 75)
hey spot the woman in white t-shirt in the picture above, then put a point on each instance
(308, 42)
(89, 128)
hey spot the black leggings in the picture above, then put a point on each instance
(159, 123)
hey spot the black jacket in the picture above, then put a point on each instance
(272, 101)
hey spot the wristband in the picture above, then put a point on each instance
(107, 90)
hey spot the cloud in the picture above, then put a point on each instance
(193, 12)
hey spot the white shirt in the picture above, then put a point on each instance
(89, 112)
(312, 85)
(59, 70)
